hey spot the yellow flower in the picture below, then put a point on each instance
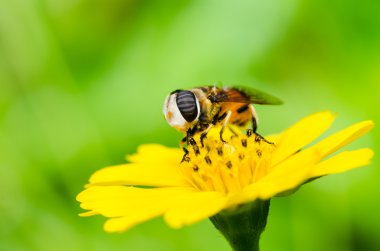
(221, 176)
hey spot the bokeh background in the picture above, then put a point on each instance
(83, 82)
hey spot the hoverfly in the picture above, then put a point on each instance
(199, 109)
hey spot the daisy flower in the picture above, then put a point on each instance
(230, 183)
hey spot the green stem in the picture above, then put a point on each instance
(243, 227)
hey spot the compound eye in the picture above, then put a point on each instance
(187, 105)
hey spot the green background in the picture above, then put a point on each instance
(83, 82)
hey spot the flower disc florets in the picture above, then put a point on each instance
(227, 167)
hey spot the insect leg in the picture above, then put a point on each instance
(182, 144)
(204, 134)
(225, 122)
(185, 157)
(186, 152)
(233, 131)
(186, 139)
(189, 134)
(255, 120)
(193, 143)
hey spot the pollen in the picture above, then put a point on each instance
(227, 167)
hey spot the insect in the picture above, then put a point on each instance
(201, 108)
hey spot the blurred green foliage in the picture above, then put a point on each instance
(82, 84)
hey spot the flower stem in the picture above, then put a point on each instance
(242, 227)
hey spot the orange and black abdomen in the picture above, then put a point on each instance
(241, 112)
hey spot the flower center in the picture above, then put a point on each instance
(227, 167)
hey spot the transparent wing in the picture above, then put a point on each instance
(246, 95)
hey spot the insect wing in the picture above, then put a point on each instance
(247, 95)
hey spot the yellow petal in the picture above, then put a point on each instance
(156, 154)
(301, 134)
(115, 201)
(343, 137)
(129, 205)
(152, 165)
(195, 207)
(343, 162)
(147, 174)
(295, 163)
(124, 223)
(89, 213)
(287, 175)
(274, 138)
